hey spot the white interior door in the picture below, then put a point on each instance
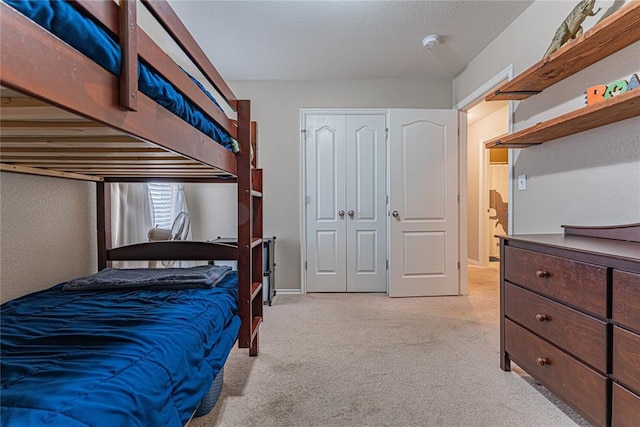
(326, 204)
(346, 203)
(366, 204)
(423, 163)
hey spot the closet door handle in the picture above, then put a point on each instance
(395, 214)
(351, 213)
(341, 214)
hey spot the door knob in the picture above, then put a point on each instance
(341, 213)
(395, 214)
(351, 213)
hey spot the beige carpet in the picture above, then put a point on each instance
(370, 360)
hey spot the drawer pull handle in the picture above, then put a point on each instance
(541, 317)
(542, 361)
(542, 274)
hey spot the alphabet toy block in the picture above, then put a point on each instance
(634, 83)
(619, 86)
(595, 94)
(599, 93)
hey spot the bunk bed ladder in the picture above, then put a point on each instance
(250, 299)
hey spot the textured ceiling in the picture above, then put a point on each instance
(318, 40)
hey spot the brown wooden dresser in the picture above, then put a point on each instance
(570, 317)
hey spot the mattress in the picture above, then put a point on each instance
(113, 358)
(63, 20)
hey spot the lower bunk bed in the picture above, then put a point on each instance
(121, 352)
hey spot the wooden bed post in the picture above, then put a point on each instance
(129, 45)
(103, 211)
(249, 244)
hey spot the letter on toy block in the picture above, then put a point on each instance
(634, 83)
(595, 94)
(616, 88)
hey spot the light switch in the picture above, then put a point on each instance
(522, 182)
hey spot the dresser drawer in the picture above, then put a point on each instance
(583, 388)
(579, 284)
(625, 408)
(626, 299)
(576, 333)
(626, 358)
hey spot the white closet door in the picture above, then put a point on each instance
(423, 203)
(326, 204)
(346, 203)
(366, 203)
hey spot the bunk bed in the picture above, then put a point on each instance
(87, 113)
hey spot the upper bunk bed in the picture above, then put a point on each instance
(89, 95)
(164, 124)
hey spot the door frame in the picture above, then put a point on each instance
(462, 106)
(303, 177)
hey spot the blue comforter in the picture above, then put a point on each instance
(113, 358)
(63, 20)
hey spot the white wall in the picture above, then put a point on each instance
(48, 232)
(591, 178)
(276, 107)
(213, 210)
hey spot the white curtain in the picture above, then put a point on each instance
(131, 217)
(179, 203)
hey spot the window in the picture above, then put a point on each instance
(162, 200)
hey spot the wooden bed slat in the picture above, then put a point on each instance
(89, 167)
(79, 160)
(25, 108)
(81, 149)
(92, 165)
(178, 250)
(47, 172)
(85, 139)
(22, 128)
(255, 288)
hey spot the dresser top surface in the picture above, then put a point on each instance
(619, 249)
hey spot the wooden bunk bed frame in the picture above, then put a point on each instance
(65, 116)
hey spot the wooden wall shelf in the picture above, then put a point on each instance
(614, 109)
(613, 33)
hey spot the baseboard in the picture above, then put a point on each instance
(473, 261)
(288, 291)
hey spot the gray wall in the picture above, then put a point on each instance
(591, 178)
(276, 107)
(48, 232)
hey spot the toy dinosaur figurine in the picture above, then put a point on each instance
(571, 26)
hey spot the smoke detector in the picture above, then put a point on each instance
(431, 41)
